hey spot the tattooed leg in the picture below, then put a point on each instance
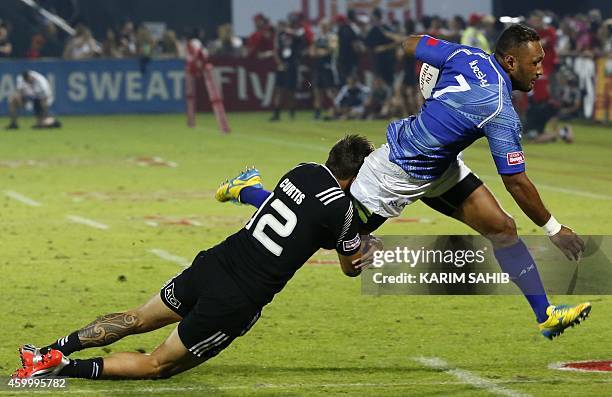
(110, 328)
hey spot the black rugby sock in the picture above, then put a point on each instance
(87, 369)
(67, 345)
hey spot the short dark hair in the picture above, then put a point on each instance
(515, 36)
(347, 155)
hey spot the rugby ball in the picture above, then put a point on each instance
(428, 79)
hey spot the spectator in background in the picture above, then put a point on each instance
(260, 44)
(351, 100)
(110, 47)
(377, 104)
(409, 96)
(32, 89)
(127, 40)
(82, 45)
(491, 29)
(350, 45)
(6, 48)
(144, 42)
(227, 44)
(540, 98)
(595, 21)
(605, 37)
(168, 45)
(302, 27)
(436, 27)
(543, 119)
(36, 44)
(324, 69)
(566, 38)
(382, 47)
(397, 104)
(541, 22)
(144, 47)
(53, 46)
(289, 46)
(474, 34)
(456, 26)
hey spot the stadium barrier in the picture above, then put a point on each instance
(130, 86)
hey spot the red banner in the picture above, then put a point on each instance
(248, 84)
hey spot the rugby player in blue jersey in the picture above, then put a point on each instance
(420, 161)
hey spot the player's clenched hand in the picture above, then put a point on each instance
(369, 245)
(569, 243)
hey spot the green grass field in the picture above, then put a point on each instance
(320, 336)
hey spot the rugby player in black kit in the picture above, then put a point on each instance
(221, 295)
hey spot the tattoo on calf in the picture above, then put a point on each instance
(107, 329)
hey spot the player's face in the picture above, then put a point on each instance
(528, 66)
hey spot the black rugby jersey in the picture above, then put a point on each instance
(306, 211)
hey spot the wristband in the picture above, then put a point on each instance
(551, 227)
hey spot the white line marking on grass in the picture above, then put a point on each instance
(87, 222)
(582, 193)
(21, 198)
(468, 377)
(575, 192)
(179, 260)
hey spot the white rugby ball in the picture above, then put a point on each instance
(428, 79)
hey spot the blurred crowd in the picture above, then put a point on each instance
(49, 41)
(336, 52)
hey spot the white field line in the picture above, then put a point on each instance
(575, 192)
(179, 260)
(289, 143)
(87, 222)
(468, 377)
(22, 199)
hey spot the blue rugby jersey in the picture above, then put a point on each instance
(472, 99)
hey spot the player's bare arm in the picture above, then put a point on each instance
(408, 43)
(524, 192)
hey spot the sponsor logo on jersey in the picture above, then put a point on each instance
(351, 244)
(170, 298)
(478, 73)
(515, 158)
(432, 41)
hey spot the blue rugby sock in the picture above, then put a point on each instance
(253, 196)
(519, 264)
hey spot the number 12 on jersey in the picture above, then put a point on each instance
(281, 229)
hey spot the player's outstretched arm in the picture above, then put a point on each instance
(527, 197)
(408, 43)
